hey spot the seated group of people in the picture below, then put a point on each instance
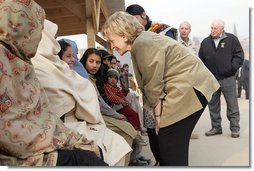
(112, 101)
(50, 115)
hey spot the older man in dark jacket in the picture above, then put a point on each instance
(223, 55)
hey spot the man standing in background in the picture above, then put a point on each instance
(184, 30)
(223, 55)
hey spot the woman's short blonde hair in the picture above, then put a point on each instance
(122, 24)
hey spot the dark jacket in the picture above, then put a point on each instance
(245, 71)
(224, 60)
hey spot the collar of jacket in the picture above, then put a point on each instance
(223, 36)
(148, 25)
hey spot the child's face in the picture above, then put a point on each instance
(93, 63)
(112, 80)
(68, 57)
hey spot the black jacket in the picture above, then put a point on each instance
(224, 60)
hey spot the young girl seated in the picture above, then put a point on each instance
(66, 53)
(117, 98)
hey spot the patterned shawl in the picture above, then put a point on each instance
(162, 29)
(30, 133)
(157, 27)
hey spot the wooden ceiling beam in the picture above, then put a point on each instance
(47, 4)
(96, 9)
(74, 7)
(58, 12)
(63, 20)
(74, 31)
(81, 16)
(72, 26)
(80, 2)
(104, 9)
(101, 41)
(89, 25)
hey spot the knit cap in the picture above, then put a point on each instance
(112, 72)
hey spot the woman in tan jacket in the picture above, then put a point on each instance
(175, 83)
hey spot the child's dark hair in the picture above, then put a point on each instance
(64, 45)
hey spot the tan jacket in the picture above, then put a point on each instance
(165, 70)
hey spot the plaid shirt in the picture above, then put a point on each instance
(114, 94)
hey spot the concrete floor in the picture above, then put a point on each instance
(219, 150)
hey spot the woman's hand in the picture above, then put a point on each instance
(157, 124)
(157, 116)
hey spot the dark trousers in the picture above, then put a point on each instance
(78, 157)
(174, 139)
(239, 86)
(246, 87)
(153, 141)
(228, 89)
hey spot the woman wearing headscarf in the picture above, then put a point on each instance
(175, 83)
(73, 98)
(66, 53)
(77, 66)
(31, 135)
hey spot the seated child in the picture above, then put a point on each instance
(117, 98)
